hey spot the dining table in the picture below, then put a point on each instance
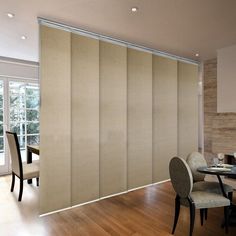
(226, 170)
(30, 150)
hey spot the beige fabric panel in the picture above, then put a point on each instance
(187, 109)
(55, 119)
(164, 115)
(85, 119)
(139, 118)
(113, 118)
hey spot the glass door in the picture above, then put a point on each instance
(19, 112)
(24, 113)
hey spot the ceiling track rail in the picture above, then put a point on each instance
(61, 26)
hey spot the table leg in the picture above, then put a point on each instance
(29, 160)
(232, 210)
(222, 186)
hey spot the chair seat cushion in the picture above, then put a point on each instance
(31, 170)
(208, 200)
(212, 187)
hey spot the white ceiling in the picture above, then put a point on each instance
(180, 27)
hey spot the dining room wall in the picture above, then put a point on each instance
(111, 117)
(219, 128)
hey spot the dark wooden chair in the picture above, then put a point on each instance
(21, 170)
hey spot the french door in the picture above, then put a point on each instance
(19, 112)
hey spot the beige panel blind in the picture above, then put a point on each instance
(164, 115)
(113, 118)
(187, 109)
(85, 119)
(94, 94)
(55, 120)
(139, 118)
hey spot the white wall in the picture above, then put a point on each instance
(226, 79)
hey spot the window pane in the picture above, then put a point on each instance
(17, 88)
(33, 140)
(17, 115)
(1, 87)
(1, 100)
(32, 102)
(32, 115)
(1, 115)
(1, 144)
(32, 128)
(32, 90)
(18, 128)
(17, 102)
(1, 129)
(21, 140)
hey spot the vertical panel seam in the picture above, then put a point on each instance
(99, 115)
(153, 130)
(127, 121)
(71, 138)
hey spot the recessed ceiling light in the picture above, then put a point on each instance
(134, 9)
(10, 15)
(197, 54)
(23, 37)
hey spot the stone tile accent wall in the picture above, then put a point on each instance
(210, 104)
(224, 133)
(219, 128)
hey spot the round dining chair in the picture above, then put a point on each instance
(182, 182)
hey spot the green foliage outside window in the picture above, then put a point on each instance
(24, 113)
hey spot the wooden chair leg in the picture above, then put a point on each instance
(192, 218)
(205, 213)
(226, 215)
(37, 180)
(12, 182)
(177, 210)
(21, 190)
(202, 211)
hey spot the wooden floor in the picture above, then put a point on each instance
(147, 211)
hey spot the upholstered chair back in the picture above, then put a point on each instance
(14, 152)
(181, 177)
(196, 160)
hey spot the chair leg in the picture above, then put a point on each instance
(177, 210)
(202, 211)
(21, 190)
(205, 213)
(230, 196)
(37, 180)
(192, 218)
(12, 182)
(226, 215)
